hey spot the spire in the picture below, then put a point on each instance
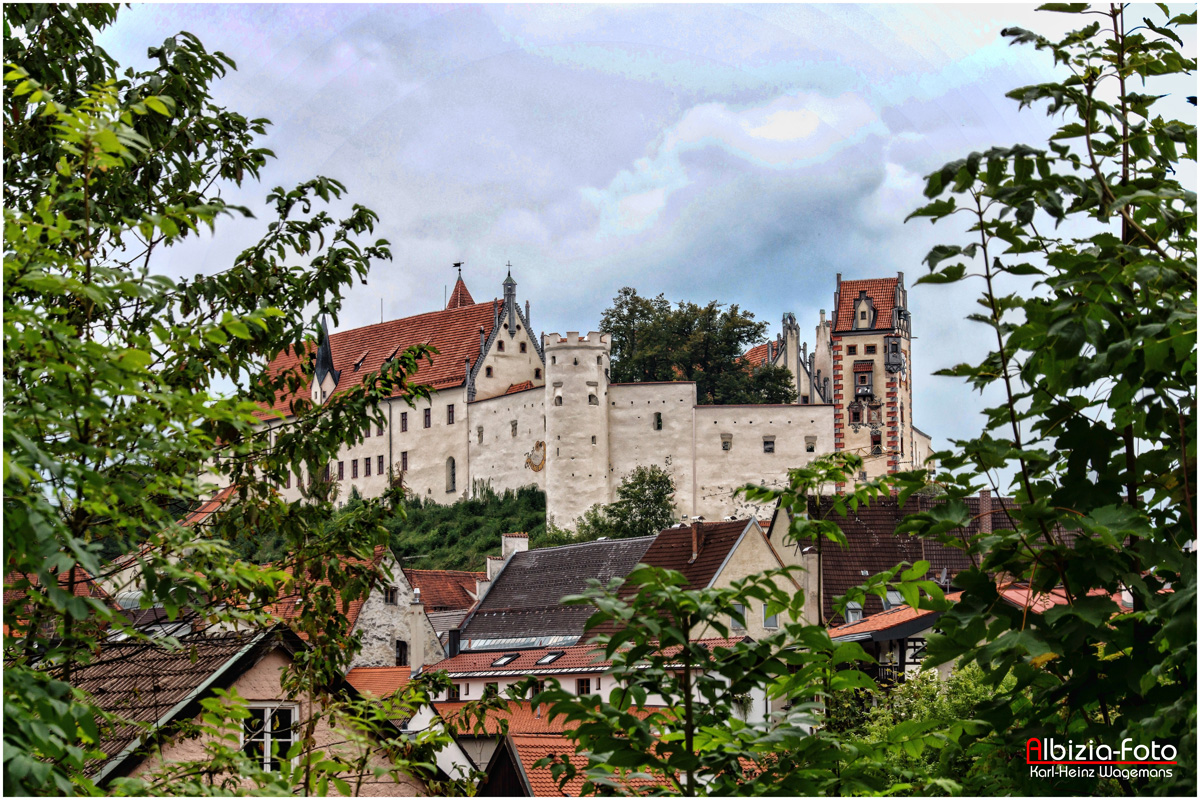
(325, 355)
(510, 302)
(460, 296)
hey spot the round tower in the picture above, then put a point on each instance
(576, 424)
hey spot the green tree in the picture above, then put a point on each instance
(644, 506)
(1095, 363)
(113, 421)
(653, 341)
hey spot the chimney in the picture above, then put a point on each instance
(416, 601)
(481, 588)
(453, 642)
(416, 633)
(697, 541)
(494, 565)
(513, 543)
(985, 511)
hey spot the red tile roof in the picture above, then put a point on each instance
(460, 296)
(533, 747)
(77, 580)
(519, 387)
(672, 549)
(882, 292)
(578, 658)
(445, 589)
(758, 354)
(864, 366)
(522, 717)
(886, 620)
(453, 331)
(379, 681)
(209, 507)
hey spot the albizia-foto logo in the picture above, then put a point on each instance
(1050, 758)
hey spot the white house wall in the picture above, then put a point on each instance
(503, 460)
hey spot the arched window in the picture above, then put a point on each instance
(537, 373)
(558, 400)
(401, 653)
(593, 400)
(451, 480)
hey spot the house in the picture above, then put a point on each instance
(895, 639)
(395, 629)
(512, 770)
(510, 408)
(163, 688)
(446, 594)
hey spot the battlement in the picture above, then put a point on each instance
(573, 339)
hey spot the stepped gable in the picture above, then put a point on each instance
(460, 296)
(361, 351)
(445, 589)
(882, 292)
(524, 599)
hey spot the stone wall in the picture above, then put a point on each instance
(383, 624)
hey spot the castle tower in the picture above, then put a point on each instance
(871, 340)
(577, 447)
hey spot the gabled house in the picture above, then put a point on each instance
(163, 688)
(447, 595)
(895, 638)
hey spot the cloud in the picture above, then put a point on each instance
(787, 133)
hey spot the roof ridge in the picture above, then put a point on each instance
(584, 544)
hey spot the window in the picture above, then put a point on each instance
(862, 379)
(505, 659)
(852, 350)
(726, 441)
(600, 360)
(853, 612)
(403, 421)
(487, 372)
(769, 620)
(876, 443)
(500, 345)
(895, 347)
(553, 359)
(267, 734)
(451, 478)
(287, 480)
(401, 653)
(810, 444)
(537, 373)
(491, 688)
(404, 461)
(341, 470)
(804, 399)
(583, 686)
(479, 434)
(737, 619)
(450, 414)
(391, 595)
(538, 687)
(367, 467)
(893, 599)
(768, 444)
(855, 415)
(429, 418)
(380, 465)
(550, 658)
(353, 468)
(869, 350)
(593, 400)
(456, 693)
(862, 315)
(558, 400)
(593, 440)
(367, 432)
(379, 429)
(658, 420)
(325, 472)
(522, 347)
(514, 428)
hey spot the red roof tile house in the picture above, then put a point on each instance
(162, 688)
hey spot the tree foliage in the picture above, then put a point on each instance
(118, 413)
(644, 506)
(1096, 367)
(653, 341)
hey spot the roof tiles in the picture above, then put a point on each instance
(379, 681)
(445, 589)
(882, 292)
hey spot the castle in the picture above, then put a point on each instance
(509, 409)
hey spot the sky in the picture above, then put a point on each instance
(740, 153)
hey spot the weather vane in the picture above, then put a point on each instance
(458, 266)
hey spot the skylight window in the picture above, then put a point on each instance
(550, 658)
(507, 658)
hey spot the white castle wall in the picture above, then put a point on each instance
(634, 442)
(719, 472)
(502, 459)
(510, 366)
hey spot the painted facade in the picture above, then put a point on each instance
(509, 409)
